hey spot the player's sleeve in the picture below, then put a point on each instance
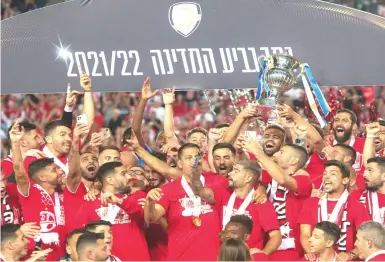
(304, 186)
(305, 215)
(361, 214)
(265, 178)
(267, 216)
(7, 167)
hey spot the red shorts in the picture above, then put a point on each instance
(285, 255)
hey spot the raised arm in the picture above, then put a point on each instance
(372, 130)
(286, 111)
(215, 136)
(70, 104)
(89, 105)
(21, 176)
(154, 162)
(233, 131)
(169, 127)
(74, 174)
(197, 186)
(275, 171)
(147, 93)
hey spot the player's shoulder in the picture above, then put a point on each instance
(356, 194)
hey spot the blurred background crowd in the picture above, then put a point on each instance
(192, 109)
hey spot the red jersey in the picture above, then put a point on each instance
(61, 161)
(366, 198)
(376, 256)
(128, 225)
(7, 166)
(315, 168)
(10, 210)
(263, 215)
(47, 211)
(351, 216)
(72, 205)
(287, 205)
(157, 240)
(185, 240)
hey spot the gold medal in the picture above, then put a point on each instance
(197, 221)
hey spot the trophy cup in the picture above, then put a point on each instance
(279, 73)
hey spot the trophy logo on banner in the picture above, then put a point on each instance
(185, 17)
(278, 74)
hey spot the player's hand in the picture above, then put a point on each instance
(168, 96)
(85, 82)
(147, 92)
(215, 135)
(260, 195)
(39, 255)
(30, 229)
(96, 139)
(155, 194)
(373, 128)
(110, 198)
(71, 96)
(142, 202)
(17, 132)
(311, 257)
(91, 194)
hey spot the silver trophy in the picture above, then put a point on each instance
(280, 75)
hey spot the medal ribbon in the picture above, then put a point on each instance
(59, 163)
(336, 213)
(228, 211)
(374, 207)
(196, 200)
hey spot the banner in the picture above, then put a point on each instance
(205, 44)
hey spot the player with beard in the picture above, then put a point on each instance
(81, 177)
(138, 181)
(40, 198)
(370, 242)
(336, 207)
(104, 227)
(223, 158)
(121, 210)
(344, 128)
(289, 188)
(323, 241)
(373, 196)
(243, 178)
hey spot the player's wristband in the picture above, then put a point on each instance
(371, 136)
